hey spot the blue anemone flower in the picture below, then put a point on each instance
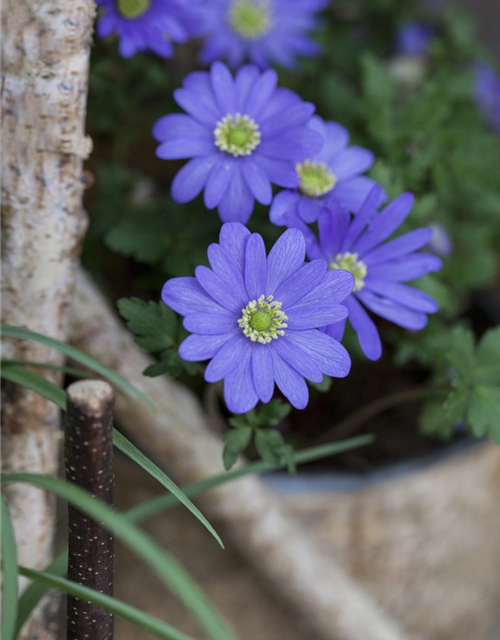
(379, 268)
(487, 93)
(264, 32)
(256, 317)
(150, 25)
(414, 38)
(242, 135)
(334, 173)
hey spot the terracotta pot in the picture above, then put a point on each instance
(422, 538)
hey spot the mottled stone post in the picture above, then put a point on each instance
(89, 464)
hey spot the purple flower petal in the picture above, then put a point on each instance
(178, 125)
(305, 316)
(334, 288)
(364, 217)
(233, 238)
(191, 179)
(223, 88)
(218, 182)
(363, 325)
(292, 117)
(227, 358)
(297, 358)
(227, 270)
(197, 105)
(262, 370)
(312, 248)
(262, 90)
(407, 268)
(255, 267)
(239, 391)
(328, 354)
(196, 348)
(309, 208)
(211, 324)
(351, 162)
(352, 193)
(332, 226)
(245, 80)
(336, 139)
(300, 283)
(290, 383)
(284, 202)
(336, 331)
(186, 296)
(180, 148)
(257, 181)
(237, 203)
(216, 287)
(385, 223)
(411, 241)
(285, 258)
(403, 294)
(390, 310)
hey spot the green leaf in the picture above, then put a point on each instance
(270, 445)
(10, 576)
(165, 566)
(126, 447)
(78, 356)
(35, 382)
(435, 422)
(455, 404)
(488, 358)
(117, 607)
(36, 591)
(153, 322)
(323, 386)
(273, 413)
(484, 412)
(235, 442)
(53, 393)
(71, 371)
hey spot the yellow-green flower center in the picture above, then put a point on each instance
(349, 262)
(263, 320)
(250, 19)
(133, 8)
(237, 135)
(316, 179)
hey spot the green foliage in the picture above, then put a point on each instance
(474, 394)
(270, 444)
(157, 330)
(10, 574)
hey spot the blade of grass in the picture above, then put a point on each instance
(10, 576)
(35, 382)
(71, 371)
(160, 503)
(50, 391)
(78, 356)
(36, 591)
(162, 563)
(126, 447)
(117, 607)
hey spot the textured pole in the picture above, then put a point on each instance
(45, 59)
(89, 464)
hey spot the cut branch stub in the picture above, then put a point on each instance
(89, 464)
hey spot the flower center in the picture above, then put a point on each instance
(263, 320)
(238, 135)
(133, 8)
(316, 179)
(249, 19)
(349, 262)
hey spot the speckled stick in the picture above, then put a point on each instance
(89, 464)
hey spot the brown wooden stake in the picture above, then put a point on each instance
(89, 464)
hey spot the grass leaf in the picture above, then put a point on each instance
(78, 356)
(162, 563)
(9, 575)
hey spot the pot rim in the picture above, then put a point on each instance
(281, 482)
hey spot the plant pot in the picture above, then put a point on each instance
(423, 538)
